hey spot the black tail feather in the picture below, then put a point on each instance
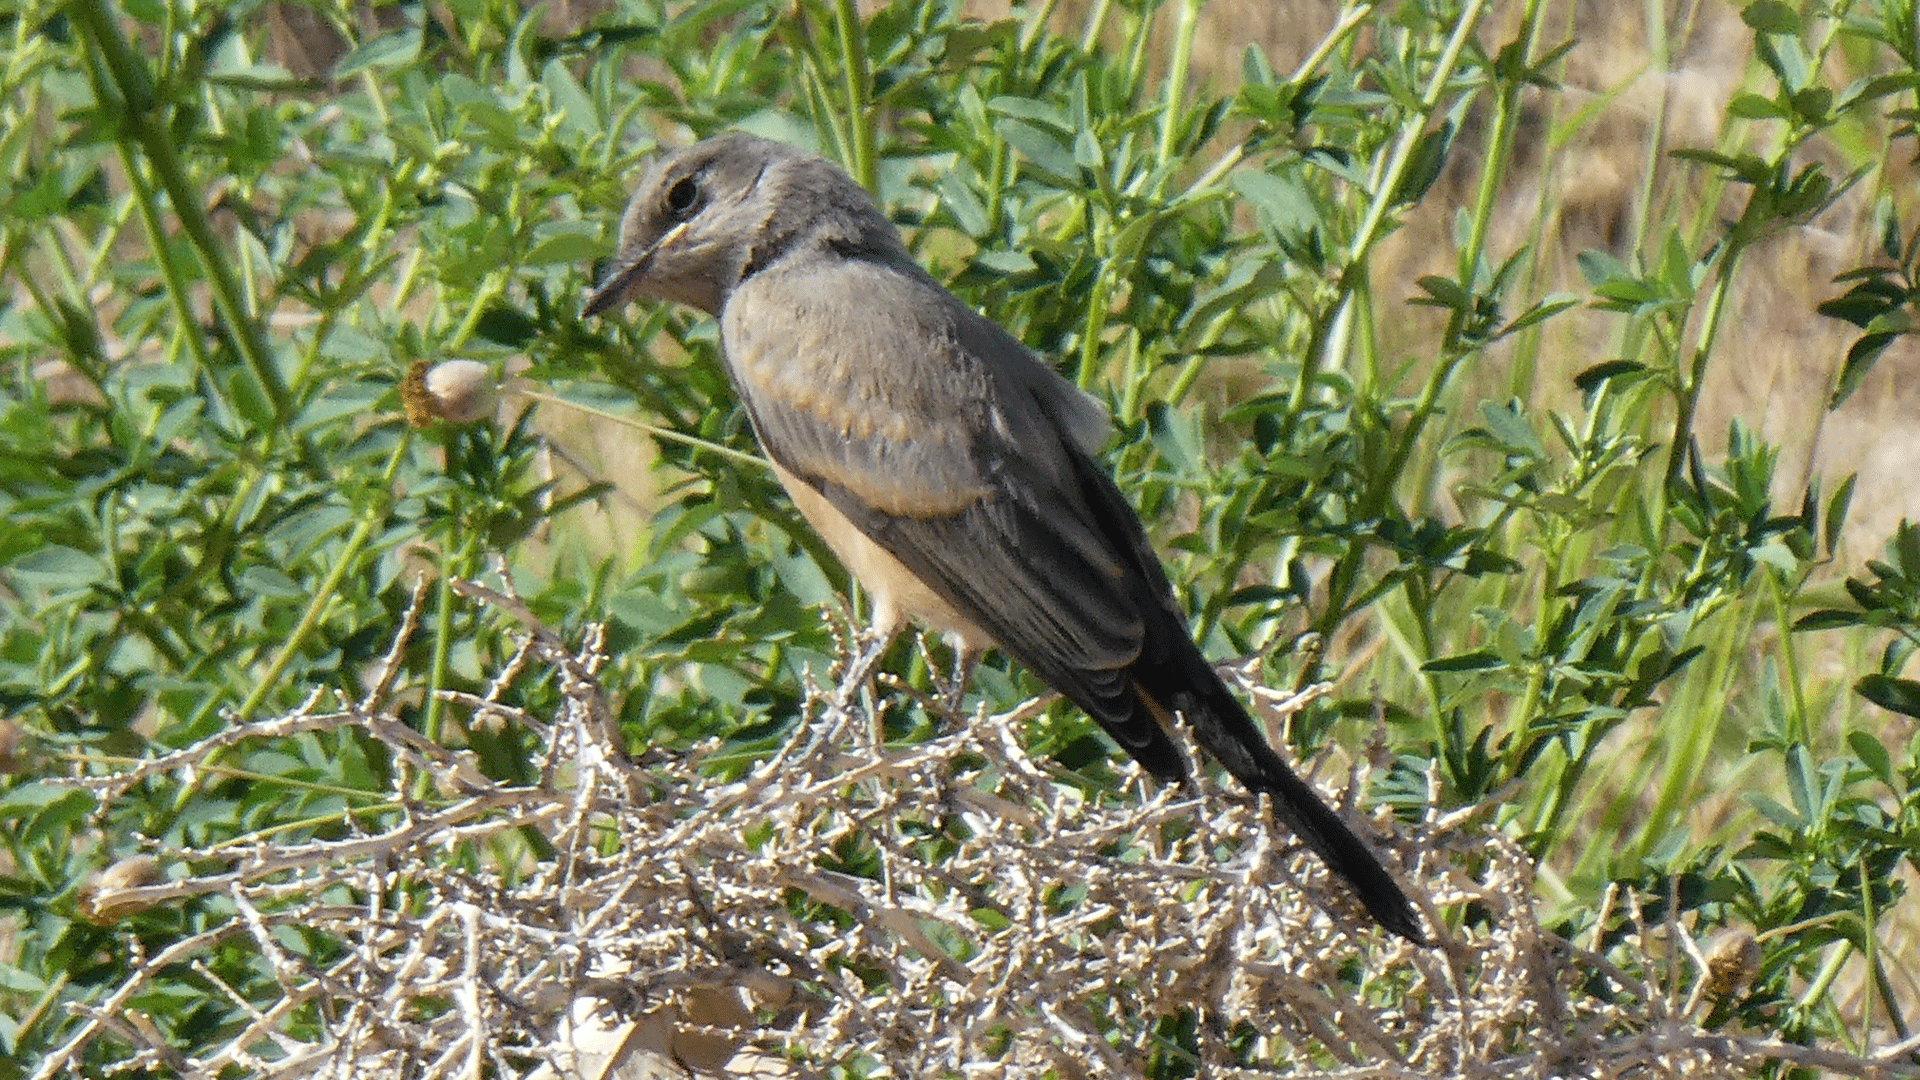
(1223, 728)
(1170, 676)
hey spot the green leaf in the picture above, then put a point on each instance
(505, 325)
(1478, 660)
(1895, 695)
(1424, 167)
(1087, 151)
(1445, 292)
(298, 535)
(968, 211)
(1248, 282)
(1828, 619)
(1594, 377)
(1873, 295)
(1861, 357)
(569, 242)
(1045, 152)
(1771, 809)
(261, 580)
(1255, 68)
(1512, 429)
(1281, 202)
(1746, 168)
(570, 98)
(1905, 548)
(1837, 508)
(1873, 754)
(1004, 262)
(1771, 17)
(1176, 436)
(386, 51)
(1600, 268)
(1750, 106)
(1813, 103)
(1547, 308)
(58, 568)
(1481, 561)
(1801, 785)
(1039, 112)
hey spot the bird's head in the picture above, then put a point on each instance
(706, 218)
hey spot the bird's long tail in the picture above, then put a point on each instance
(1171, 676)
(1223, 728)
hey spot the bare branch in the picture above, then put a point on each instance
(940, 908)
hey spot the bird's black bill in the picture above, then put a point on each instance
(613, 288)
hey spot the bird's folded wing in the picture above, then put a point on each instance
(945, 455)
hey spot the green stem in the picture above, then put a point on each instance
(1173, 107)
(1350, 20)
(1797, 728)
(139, 110)
(1345, 574)
(460, 565)
(348, 560)
(1659, 59)
(178, 288)
(1191, 369)
(1093, 328)
(1823, 981)
(490, 287)
(655, 430)
(1385, 184)
(1090, 36)
(853, 49)
(1036, 25)
(47, 997)
(1140, 32)
(996, 181)
(1689, 390)
(1500, 148)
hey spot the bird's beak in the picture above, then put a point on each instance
(623, 276)
(613, 288)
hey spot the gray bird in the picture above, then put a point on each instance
(950, 469)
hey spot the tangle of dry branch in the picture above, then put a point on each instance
(950, 908)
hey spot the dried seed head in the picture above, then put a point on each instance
(456, 391)
(102, 900)
(13, 738)
(1732, 961)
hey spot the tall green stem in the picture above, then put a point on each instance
(139, 110)
(1386, 184)
(853, 51)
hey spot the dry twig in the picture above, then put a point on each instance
(943, 908)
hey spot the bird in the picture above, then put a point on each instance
(953, 472)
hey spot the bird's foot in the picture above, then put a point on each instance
(946, 705)
(856, 690)
(953, 689)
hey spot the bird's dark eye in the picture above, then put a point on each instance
(682, 196)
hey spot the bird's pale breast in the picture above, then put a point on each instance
(898, 594)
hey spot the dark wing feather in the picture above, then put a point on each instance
(965, 465)
(1004, 565)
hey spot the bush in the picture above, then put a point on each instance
(1565, 627)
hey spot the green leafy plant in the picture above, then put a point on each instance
(1551, 607)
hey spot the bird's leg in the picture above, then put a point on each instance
(872, 644)
(857, 680)
(953, 694)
